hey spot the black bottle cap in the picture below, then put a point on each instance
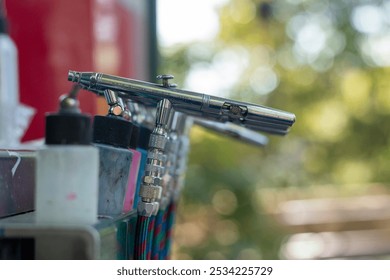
(68, 129)
(134, 137)
(111, 130)
(144, 135)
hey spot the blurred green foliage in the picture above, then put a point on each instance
(314, 58)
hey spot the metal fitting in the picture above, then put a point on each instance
(165, 80)
(153, 180)
(234, 111)
(158, 155)
(152, 185)
(146, 208)
(163, 113)
(150, 193)
(115, 110)
(157, 141)
(156, 207)
(116, 106)
(148, 179)
(155, 169)
(69, 102)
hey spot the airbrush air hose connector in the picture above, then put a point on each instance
(151, 187)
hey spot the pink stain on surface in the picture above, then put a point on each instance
(71, 196)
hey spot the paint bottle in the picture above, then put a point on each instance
(111, 135)
(67, 171)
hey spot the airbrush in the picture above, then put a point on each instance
(168, 99)
(252, 116)
(235, 131)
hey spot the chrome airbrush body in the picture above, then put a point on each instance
(195, 104)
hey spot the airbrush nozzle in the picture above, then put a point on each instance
(72, 76)
(84, 79)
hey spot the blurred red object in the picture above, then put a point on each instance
(56, 36)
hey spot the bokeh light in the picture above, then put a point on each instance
(326, 61)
